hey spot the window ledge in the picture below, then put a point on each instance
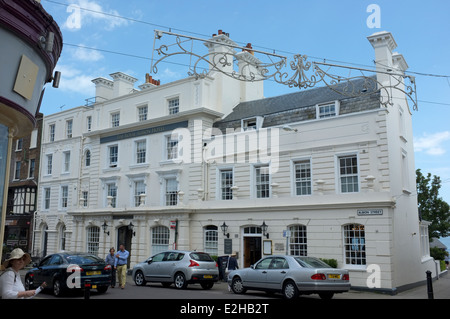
(173, 161)
(355, 267)
(425, 259)
(111, 169)
(140, 165)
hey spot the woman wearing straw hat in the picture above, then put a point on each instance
(11, 286)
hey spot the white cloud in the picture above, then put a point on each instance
(87, 55)
(168, 75)
(75, 81)
(86, 12)
(432, 143)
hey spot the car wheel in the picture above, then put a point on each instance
(180, 281)
(57, 288)
(139, 278)
(207, 285)
(237, 287)
(29, 283)
(326, 295)
(290, 290)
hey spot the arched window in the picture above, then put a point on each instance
(160, 239)
(92, 240)
(87, 158)
(297, 240)
(355, 244)
(211, 240)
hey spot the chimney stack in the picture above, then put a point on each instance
(123, 83)
(104, 89)
(248, 48)
(383, 42)
(149, 82)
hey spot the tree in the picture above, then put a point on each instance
(432, 208)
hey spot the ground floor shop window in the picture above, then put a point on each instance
(297, 240)
(355, 244)
(211, 240)
(93, 237)
(160, 239)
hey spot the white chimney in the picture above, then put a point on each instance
(253, 87)
(103, 89)
(123, 83)
(221, 52)
(383, 42)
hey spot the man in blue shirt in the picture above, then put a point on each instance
(121, 265)
(111, 260)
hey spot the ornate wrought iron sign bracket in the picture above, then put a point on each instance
(253, 65)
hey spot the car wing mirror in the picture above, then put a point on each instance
(252, 266)
(149, 261)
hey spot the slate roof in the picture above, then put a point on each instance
(300, 99)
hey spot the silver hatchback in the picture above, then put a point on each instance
(179, 268)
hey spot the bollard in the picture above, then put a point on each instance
(87, 289)
(429, 285)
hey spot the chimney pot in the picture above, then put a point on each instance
(220, 32)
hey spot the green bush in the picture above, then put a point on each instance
(437, 253)
(331, 262)
(442, 264)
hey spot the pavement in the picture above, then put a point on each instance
(440, 287)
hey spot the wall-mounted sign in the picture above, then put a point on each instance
(26, 78)
(366, 212)
(228, 246)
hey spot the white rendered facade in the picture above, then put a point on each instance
(340, 179)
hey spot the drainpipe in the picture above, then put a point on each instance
(176, 233)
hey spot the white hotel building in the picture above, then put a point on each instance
(169, 165)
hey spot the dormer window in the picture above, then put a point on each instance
(325, 110)
(252, 123)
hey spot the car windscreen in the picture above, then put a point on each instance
(309, 262)
(200, 256)
(83, 259)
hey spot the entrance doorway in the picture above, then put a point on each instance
(252, 238)
(252, 250)
(124, 236)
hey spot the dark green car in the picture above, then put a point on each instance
(64, 271)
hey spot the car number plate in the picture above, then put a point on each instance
(207, 276)
(90, 273)
(334, 276)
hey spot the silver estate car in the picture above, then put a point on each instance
(291, 276)
(179, 268)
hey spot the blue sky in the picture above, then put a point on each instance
(324, 29)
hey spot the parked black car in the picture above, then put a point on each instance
(63, 271)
